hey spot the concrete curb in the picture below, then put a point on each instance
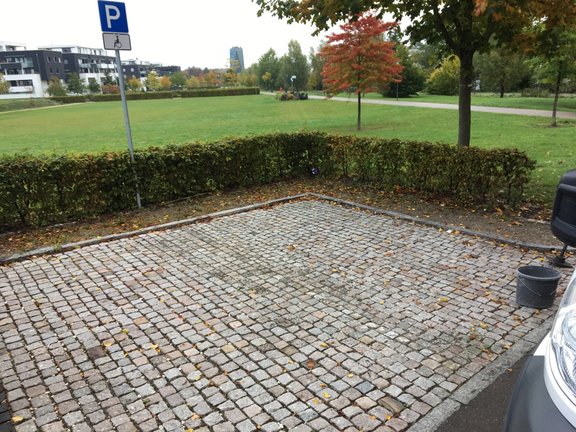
(176, 224)
(170, 225)
(398, 215)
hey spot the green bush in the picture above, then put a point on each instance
(101, 97)
(239, 91)
(150, 95)
(69, 99)
(446, 79)
(232, 91)
(132, 96)
(45, 190)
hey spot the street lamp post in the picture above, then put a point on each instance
(292, 78)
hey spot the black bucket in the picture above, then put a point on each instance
(537, 286)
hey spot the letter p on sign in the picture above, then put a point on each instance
(113, 17)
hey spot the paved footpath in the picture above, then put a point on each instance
(475, 108)
(304, 316)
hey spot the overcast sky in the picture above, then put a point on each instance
(172, 32)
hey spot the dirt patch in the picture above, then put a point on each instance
(529, 224)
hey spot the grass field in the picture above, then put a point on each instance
(94, 127)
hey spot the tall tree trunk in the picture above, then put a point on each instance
(358, 121)
(556, 96)
(501, 91)
(465, 98)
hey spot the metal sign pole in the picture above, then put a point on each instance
(127, 125)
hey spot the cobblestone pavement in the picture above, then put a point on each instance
(303, 316)
(5, 417)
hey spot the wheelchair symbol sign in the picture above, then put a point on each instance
(117, 41)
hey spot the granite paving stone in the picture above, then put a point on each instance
(307, 315)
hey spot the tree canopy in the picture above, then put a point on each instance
(360, 58)
(268, 70)
(4, 85)
(294, 64)
(55, 88)
(464, 27)
(75, 84)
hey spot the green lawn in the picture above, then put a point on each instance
(94, 127)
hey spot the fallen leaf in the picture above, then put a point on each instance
(310, 364)
(326, 395)
(350, 375)
(315, 401)
(323, 344)
(17, 419)
(483, 325)
(443, 299)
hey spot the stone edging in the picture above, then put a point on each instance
(176, 224)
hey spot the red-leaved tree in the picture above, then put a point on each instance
(360, 58)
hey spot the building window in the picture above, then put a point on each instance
(20, 83)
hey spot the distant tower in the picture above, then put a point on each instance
(237, 58)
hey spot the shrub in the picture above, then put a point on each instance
(44, 190)
(535, 92)
(110, 89)
(69, 99)
(163, 94)
(233, 91)
(446, 79)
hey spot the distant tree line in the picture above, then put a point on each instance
(426, 68)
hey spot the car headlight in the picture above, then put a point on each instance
(563, 338)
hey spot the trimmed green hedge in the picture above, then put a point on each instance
(233, 91)
(69, 99)
(45, 190)
(132, 96)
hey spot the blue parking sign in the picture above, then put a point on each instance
(113, 17)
